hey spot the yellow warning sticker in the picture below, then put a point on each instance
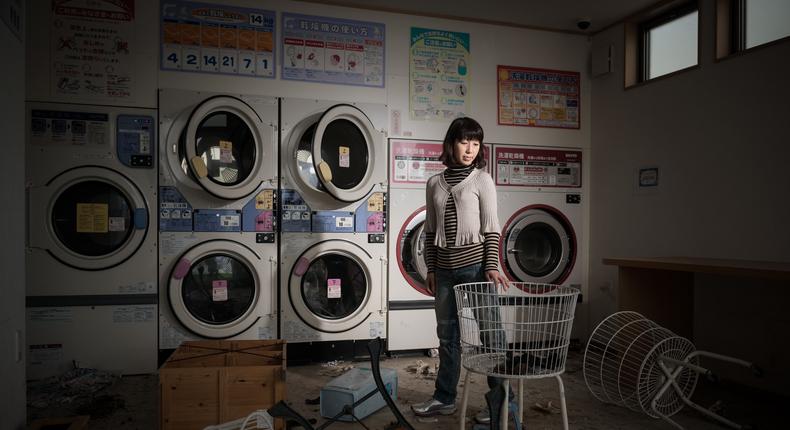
(225, 151)
(265, 200)
(345, 156)
(92, 217)
(376, 202)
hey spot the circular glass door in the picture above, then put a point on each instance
(214, 289)
(222, 147)
(337, 153)
(411, 251)
(96, 217)
(330, 286)
(539, 246)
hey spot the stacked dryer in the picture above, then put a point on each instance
(217, 217)
(539, 195)
(91, 260)
(333, 275)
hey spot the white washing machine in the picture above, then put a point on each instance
(411, 315)
(334, 155)
(540, 203)
(217, 150)
(91, 176)
(333, 287)
(217, 286)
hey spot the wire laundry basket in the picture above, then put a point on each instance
(520, 333)
(631, 361)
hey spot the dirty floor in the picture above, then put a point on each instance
(131, 402)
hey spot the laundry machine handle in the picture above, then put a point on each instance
(273, 305)
(384, 292)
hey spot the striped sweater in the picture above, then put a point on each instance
(456, 257)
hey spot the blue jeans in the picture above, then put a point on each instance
(448, 330)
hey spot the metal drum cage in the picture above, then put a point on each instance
(522, 332)
(631, 361)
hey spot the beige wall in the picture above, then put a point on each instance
(719, 134)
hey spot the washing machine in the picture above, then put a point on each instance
(217, 216)
(333, 197)
(217, 286)
(411, 315)
(540, 204)
(333, 288)
(91, 240)
(217, 150)
(334, 155)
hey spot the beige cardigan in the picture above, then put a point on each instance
(475, 206)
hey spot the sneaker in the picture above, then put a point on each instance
(483, 417)
(433, 407)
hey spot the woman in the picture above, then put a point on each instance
(461, 245)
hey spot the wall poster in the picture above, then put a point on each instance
(537, 97)
(90, 48)
(219, 39)
(533, 167)
(438, 74)
(332, 50)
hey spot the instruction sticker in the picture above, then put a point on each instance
(345, 156)
(92, 217)
(265, 200)
(219, 290)
(117, 223)
(344, 221)
(376, 202)
(225, 151)
(333, 288)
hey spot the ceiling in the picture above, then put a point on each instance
(557, 15)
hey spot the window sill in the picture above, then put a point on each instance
(662, 77)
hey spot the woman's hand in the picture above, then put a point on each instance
(430, 283)
(497, 278)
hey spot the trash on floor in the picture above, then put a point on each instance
(423, 370)
(353, 386)
(427, 420)
(334, 368)
(76, 388)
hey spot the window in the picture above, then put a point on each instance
(745, 24)
(669, 42)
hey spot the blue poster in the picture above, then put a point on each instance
(338, 51)
(209, 38)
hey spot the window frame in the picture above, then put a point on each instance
(645, 27)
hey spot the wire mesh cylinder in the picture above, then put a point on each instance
(522, 332)
(622, 364)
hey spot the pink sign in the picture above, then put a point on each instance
(333, 290)
(219, 290)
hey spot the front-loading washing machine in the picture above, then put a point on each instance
(333, 288)
(216, 151)
(216, 286)
(540, 203)
(411, 316)
(91, 256)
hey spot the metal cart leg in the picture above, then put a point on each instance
(563, 406)
(505, 404)
(520, 401)
(464, 401)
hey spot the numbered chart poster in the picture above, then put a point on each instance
(537, 97)
(439, 71)
(338, 51)
(208, 38)
(91, 49)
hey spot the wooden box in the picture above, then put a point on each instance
(215, 381)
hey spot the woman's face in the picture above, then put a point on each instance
(465, 151)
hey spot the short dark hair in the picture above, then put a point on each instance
(462, 129)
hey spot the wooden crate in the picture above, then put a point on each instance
(214, 381)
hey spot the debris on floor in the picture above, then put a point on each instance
(433, 352)
(427, 420)
(423, 370)
(334, 368)
(315, 401)
(75, 388)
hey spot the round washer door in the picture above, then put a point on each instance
(223, 149)
(338, 153)
(539, 246)
(214, 289)
(330, 286)
(411, 251)
(96, 218)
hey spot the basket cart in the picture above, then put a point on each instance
(631, 361)
(520, 333)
